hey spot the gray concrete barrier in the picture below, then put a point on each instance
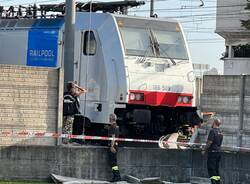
(229, 97)
(37, 162)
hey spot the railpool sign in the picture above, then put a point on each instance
(42, 48)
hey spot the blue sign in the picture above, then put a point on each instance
(42, 47)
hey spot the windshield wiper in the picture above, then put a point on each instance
(157, 48)
(155, 44)
(150, 46)
(170, 58)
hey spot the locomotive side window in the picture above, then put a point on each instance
(89, 47)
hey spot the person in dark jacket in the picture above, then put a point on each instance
(71, 107)
(113, 132)
(213, 148)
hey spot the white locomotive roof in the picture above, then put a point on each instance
(145, 18)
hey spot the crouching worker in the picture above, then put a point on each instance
(113, 132)
(71, 107)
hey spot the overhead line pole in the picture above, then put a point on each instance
(66, 72)
(69, 40)
(152, 8)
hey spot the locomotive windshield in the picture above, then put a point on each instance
(150, 38)
(137, 42)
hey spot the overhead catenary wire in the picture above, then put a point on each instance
(231, 14)
(183, 16)
(219, 15)
(205, 17)
(145, 10)
(192, 7)
(207, 14)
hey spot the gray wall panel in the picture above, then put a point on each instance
(13, 46)
(210, 102)
(222, 96)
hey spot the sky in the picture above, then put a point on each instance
(199, 24)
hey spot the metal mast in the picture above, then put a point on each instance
(69, 40)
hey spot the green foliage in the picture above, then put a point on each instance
(245, 23)
(247, 7)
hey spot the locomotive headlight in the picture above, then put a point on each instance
(179, 99)
(139, 96)
(132, 96)
(185, 99)
(136, 96)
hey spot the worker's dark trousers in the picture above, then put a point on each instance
(213, 161)
(114, 166)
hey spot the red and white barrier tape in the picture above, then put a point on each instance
(24, 134)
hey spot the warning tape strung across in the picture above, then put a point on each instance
(24, 134)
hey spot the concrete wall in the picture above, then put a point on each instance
(222, 95)
(236, 66)
(234, 168)
(37, 162)
(28, 101)
(198, 91)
